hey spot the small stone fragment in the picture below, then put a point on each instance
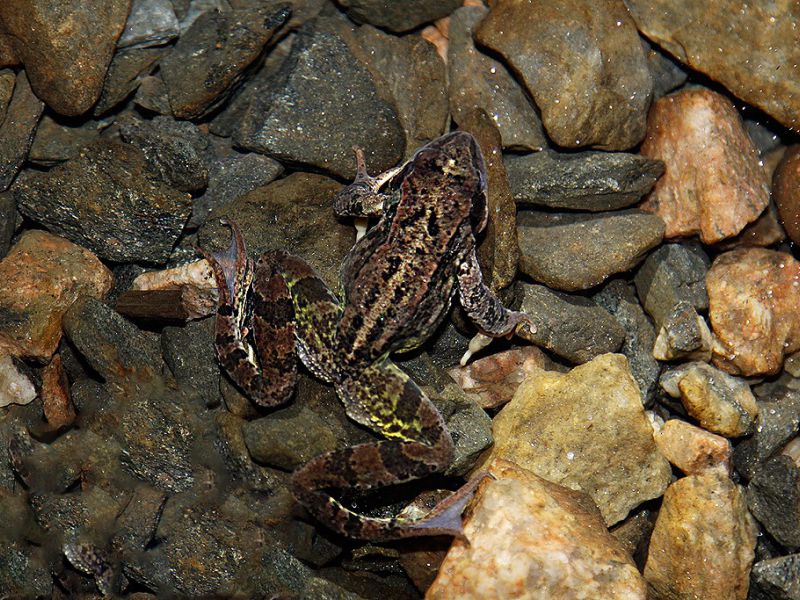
(721, 403)
(692, 449)
(15, 388)
(7, 82)
(56, 403)
(56, 142)
(127, 70)
(523, 521)
(703, 542)
(583, 101)
(765, 231)
(152, 95)
(40, 278)
(753, 296)
(683, 334)
(558, 425)
(666, 72)
(777, 578)
(593, 181)
(714, 183)
(396, 15)
(571, 252)
(17, 129)
(150, 23)
(774, 499)
(786, 192)
(191, 357)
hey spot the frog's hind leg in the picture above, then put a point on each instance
(386, 400)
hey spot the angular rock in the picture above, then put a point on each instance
(56, 403)
(765, 231)
(692, 449)
(721, 403)
(533, 520)
(48, 35)
(17, 129)
(398, 16)
(725, 41)
(714, 183)
(106, 199)
(15, 387)
(199, 79)
(316, 121)
(558, 425)
(7, 82)
(152, 95)
(667, 73)
(683, 334)
(573, 252)
(774, 499)
(40, 278)
(777, 578)
(583, 101)
(56, 142)
(150, 23)
(786, 192)
(476, 81)
(753, 295)
(570, 326)
(702, 545)
(593, 181)
(190, 355)
(126, 72)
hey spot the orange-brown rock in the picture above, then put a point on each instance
(753, 299)
(786, 191)
(40, 278)
(713, 184)
(692, 449)
(56, 403)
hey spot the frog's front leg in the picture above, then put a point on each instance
(386, 400)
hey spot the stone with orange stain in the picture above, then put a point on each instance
(753, 298)
(713, 184)
(58, 409)
(692, 449)
(40, 278)
(786, 190)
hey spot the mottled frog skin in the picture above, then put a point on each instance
(398, 282)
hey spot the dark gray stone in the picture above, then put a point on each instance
(666, 72)
(593, 181)
(398, 15)
(127, 70)
(56, 141)
(17, 129)
(683, 334)
(8, 221)
(312, 120)
(136, 526)
(152, 95)
(150, 23)
(776, 578)
(764, 138)
(107, 200)
(7, 81)
(238, 464)
(571, 251)
(774, 499)
(190, 355)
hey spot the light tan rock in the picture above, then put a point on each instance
(530, 538)
(703, 542)
(15, 388)
(40, 278)
(713, 184)
(587, 430)
(692, 449)
(753, 299)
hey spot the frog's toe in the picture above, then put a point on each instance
(476, 344)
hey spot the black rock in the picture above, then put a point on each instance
(190, 355)
(8, 221)
(776, 579)
(17, 129)
(774, 499)
(398, 15)
(666, 72)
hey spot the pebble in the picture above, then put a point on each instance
(725, 41)
(774, 499)
(521, 529)
(721, 403)
(753, 297)
(765, 231)
(590, 181)
(15, 387)
(558, 425)
(17, 129)
(583, 101)
(570, 251)
(56, 403)
(400, 16)
(106, 199)
(786, 192)
(683, 334)
(56, 142)
(127, 70)
(714, 183)
(692, 449)
(703, 542)
(37, 36)
(40, 278)
(477, 81)
(777, 578)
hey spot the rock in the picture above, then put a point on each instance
(777, 578)
(714, 196)
(152, 95)
(237, 38)
(674, 273)
(593, 181)
(189, 353)
(56, 403)
(493, 380)
(774, 499)
(725, 43)
(721, 403)
(753, 295)
(570, 252)
(786, 191)
(583, 101)
(765, 231)
(105, 199)
(522, 516)
(15, 387)
(618, 298)
(683, 334)
(40, 278)
(126, 72)
(56, 142)
(558, 425)
(667, 73)
(702, 545)
(692, 449)
(7, 82)
(570, 326)
(173, 149)
(9, 217)
(17, 129)
(150, 23)
(398, 16)
(47, 36)
(476, 81)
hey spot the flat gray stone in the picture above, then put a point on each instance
(398, 15)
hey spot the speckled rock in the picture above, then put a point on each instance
(479, 82)
(753, 296)
(56, 141)
(714, 184)
(739, 45)
(666, 72)
(570, 252)
(702, 545)
(786, 191)
(558, 425)
(398, 15)
(40, 278)
(189, 353)
(150, 23)
(47, 35)
(583, 101)
(529, 522)
(106, 199)
(56, 403)
(7, 81)
(127, 70)
(17, 129)
(15, 387)
(774, 499)
(776, 578)
(683, 334)
(593, 181)
(692, 449)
